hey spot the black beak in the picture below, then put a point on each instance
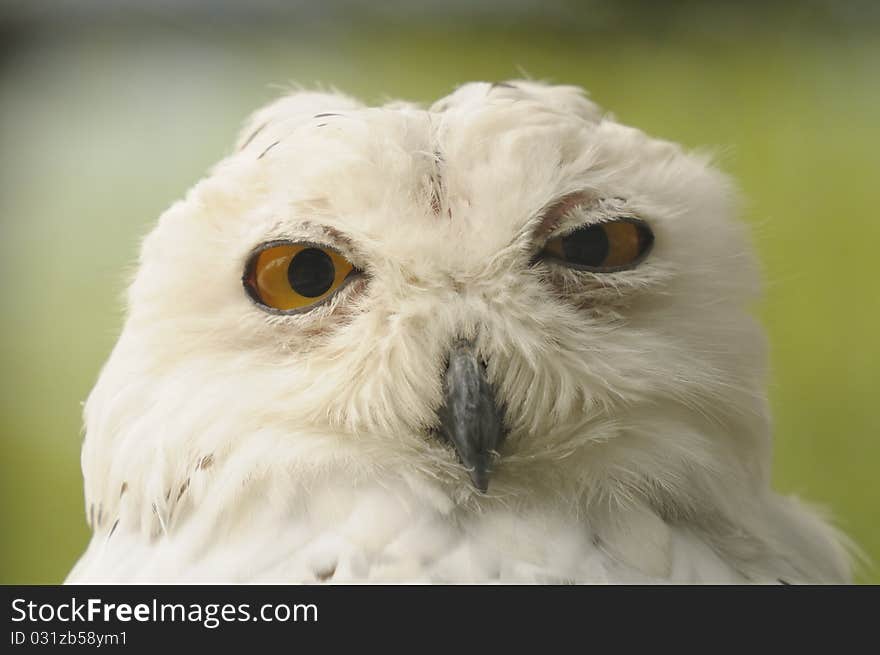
(469, 418)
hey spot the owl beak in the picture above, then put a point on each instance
(470, 418)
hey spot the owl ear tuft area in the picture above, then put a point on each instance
(293, 109)
(567, 98)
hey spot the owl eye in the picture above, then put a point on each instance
(614, 245)
(295, 276)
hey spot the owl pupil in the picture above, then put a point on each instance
(311, 273)
(588, 246)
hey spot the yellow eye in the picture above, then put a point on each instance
(604, 247)
(295, 276)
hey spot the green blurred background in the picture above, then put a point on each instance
(107, 116)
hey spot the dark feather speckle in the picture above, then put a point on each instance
(262, 154)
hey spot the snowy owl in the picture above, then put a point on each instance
(502, 338)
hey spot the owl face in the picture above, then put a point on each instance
(507, 284)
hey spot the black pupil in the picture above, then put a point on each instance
(311, 273)
(588, 246)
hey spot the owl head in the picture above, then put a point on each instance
(503, 297)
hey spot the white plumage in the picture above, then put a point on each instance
(225, 442)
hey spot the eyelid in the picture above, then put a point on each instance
(307, 241)
(563, 232)
(591, 211)
(548, 219)
(317, 235)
